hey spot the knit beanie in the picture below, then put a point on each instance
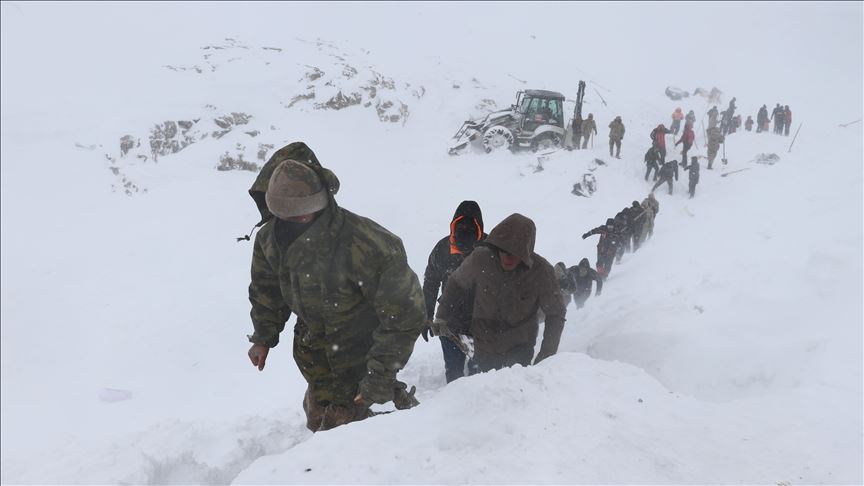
(295, 190)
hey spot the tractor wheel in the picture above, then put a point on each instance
(497, 138)
(546, 141)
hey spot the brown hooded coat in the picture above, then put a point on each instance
(505, 306)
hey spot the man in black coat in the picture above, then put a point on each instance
(637, 220)
(582, 277)
(694, 175)
(622, 226)
(466, 231)
(761, 118)
(669, 170)
(607, 247)
(652, 157)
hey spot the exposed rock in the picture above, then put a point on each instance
(227, 162)
(314, 74)
(383, 82)
(253, 133)
(382, 110)
(167, 138)
(349, 72)
(340, 101)
(372, 91)
(386, 112)
(227, 122)
(263, 150)
(301, 97)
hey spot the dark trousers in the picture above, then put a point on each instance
(676, 125)
(454, 360)
(684, 153)
(652, 165)
(605, 260)
(660, 183)
(614, 143)
(637, 236)
(693, 188)
(786, 128)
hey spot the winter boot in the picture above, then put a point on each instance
(336, 415)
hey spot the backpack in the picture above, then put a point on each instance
(300, 152)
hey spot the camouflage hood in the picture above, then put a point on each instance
(300, 152)
(515, 235)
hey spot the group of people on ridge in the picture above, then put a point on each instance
(359, 306)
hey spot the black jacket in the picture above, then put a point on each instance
(669, 170)
(694, 172)
(447, 255)
(609, 239)
(582, 284)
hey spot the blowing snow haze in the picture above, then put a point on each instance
(728, 349)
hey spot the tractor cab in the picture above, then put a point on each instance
(535, 121)
(539, 107)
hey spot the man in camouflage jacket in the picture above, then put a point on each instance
(359, 306)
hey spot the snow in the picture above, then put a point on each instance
(727, 350)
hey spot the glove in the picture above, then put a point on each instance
(425, 332)
(439, 328)
(597, 294)
(375, 388)
(585, 236)
(403, 400)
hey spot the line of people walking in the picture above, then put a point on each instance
(781, 115)
(627, 231)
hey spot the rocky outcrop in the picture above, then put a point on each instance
(340, 101)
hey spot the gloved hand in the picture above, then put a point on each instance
(597, 294)
(403, 400)
(439, 328)
(375, 388)
(585, 236)
(425, 331)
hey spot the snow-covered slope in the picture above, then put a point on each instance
(727, 350)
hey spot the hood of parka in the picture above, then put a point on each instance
(515, 235)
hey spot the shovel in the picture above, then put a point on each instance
(724, 153)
